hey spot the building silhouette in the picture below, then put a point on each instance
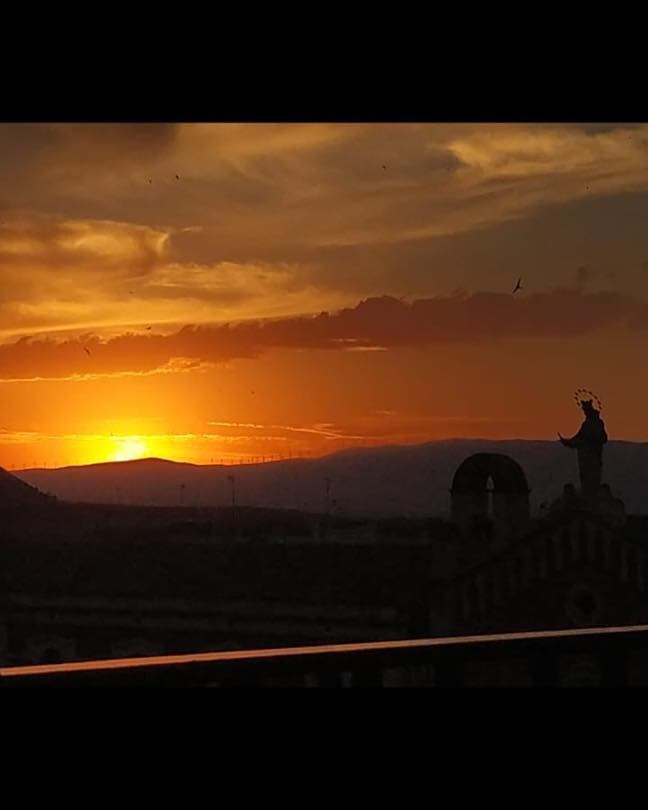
(585, 562)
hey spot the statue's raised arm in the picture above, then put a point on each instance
(567, 442)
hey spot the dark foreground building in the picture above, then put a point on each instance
(583, 564)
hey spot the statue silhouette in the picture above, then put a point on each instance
(589, 442)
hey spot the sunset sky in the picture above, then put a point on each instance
(220, 292)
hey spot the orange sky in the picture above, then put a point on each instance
(236, 292)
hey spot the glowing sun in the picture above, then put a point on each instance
(129, 448)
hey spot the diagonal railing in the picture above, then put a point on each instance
(417, 662)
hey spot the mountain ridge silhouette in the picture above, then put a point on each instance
(372, 482)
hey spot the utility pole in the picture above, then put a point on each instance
(232, 481)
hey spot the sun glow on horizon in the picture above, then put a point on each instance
(128, 448)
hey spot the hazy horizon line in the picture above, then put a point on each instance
(263, 461)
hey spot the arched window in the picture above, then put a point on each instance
(489, 483)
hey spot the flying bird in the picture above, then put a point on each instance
(148, 328)
(87, 351)
(518, 286)
(177, 176)
(384, 167)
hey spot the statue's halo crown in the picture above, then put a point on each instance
(582, 395)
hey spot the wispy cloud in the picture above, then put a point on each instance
(385, 323)
(322, 431)
(255, 191)
(265, 220)
(58, 273)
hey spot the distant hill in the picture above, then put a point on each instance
(16, 493)
(370, 482)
